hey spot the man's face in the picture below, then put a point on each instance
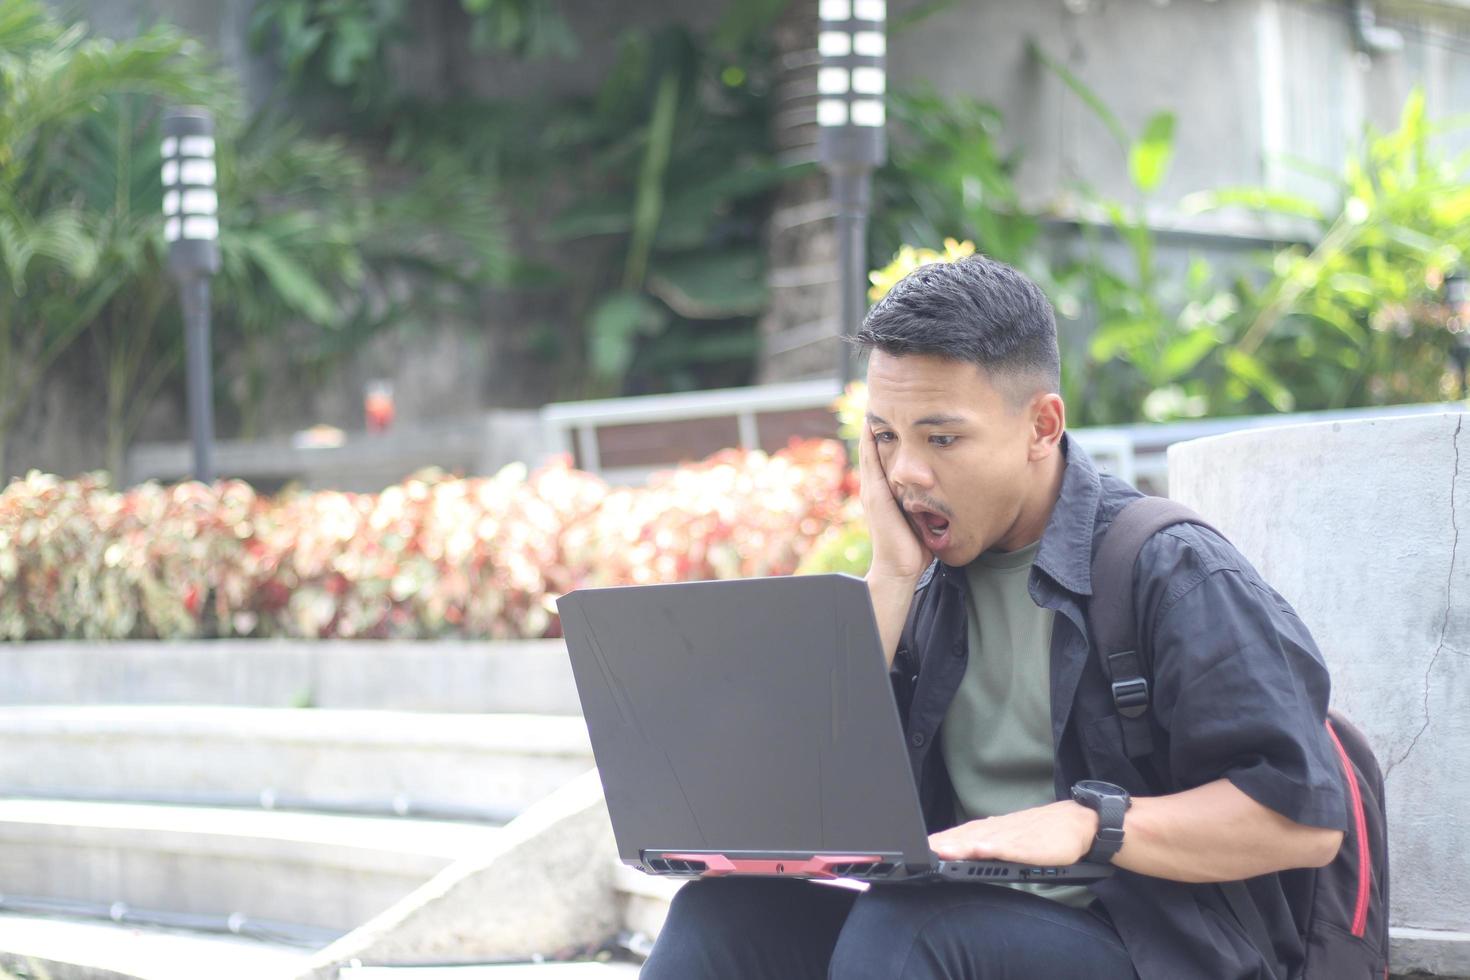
(955, 450)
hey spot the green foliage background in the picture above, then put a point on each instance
(654, 184)
(1356, 319)
(310, 241)
(646, 203)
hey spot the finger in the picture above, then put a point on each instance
(871, 438)
(962, 849)
(870, 467)
(981, 849)
(945, 846)
(867, 457)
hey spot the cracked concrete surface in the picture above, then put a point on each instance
(1358, 525)
(1448, 605)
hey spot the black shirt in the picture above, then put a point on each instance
(1239, 692)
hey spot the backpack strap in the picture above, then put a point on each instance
(1111, 610)
(1126, 663)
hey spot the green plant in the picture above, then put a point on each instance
(946, 177)
(305, 240)
(344, 46)
(315, 239)
(1160, 348)
(1356, 318)
(56, 268)
(110, 160)
(433, 556)
(676, 163)
(655, 181)
(281, 261)
(294, 248)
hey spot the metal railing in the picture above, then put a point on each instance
(572, 425)
(1135, 453)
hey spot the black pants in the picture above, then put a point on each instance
(786, 929)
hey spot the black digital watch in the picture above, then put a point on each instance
(1110, 802)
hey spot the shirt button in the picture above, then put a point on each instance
(957, 650)
(917, 738)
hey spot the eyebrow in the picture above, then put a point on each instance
(931, 420)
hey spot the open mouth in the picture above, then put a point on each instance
(933, 528)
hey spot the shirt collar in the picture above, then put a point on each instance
(1066, 544)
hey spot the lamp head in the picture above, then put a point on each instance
(851, 83)
(190, 198)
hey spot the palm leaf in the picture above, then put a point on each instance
(60, 235)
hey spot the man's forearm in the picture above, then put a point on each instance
(1217, 833)
(891, 598)
(1211, 833)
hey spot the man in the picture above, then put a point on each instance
(984, 518)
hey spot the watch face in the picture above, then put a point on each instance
(1094, 793)
(1100, 788)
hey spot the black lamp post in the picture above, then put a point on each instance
(851, 83)
(191, 228)
(1457, 299)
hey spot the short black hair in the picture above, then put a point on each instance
(976, 310)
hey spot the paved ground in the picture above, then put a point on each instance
(70, 947)
(546, 971)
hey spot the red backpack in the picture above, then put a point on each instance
(1346, 935)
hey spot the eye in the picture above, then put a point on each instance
(943, 441)
(883, 436)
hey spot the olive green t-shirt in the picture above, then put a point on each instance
(996, 736)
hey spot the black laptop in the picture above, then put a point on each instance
(747, 726)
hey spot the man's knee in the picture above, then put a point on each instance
(703, 927)
(879, 933)
(747, 927)
(944, 931)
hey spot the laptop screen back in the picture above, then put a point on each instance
(744, 715)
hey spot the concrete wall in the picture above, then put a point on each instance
(473, 445)
(1251, 81)
(1365, 528)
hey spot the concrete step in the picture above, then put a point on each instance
(646, 899)
(460, 765)
(322, 870)
(529, 971)
(530, 676)
(80, 949)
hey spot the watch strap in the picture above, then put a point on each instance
(1109, 839)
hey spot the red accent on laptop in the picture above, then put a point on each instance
(819, 866)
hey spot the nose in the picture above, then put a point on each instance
(907, 468)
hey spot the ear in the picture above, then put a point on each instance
(1048, 415)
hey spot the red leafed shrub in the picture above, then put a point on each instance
(433, 556)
